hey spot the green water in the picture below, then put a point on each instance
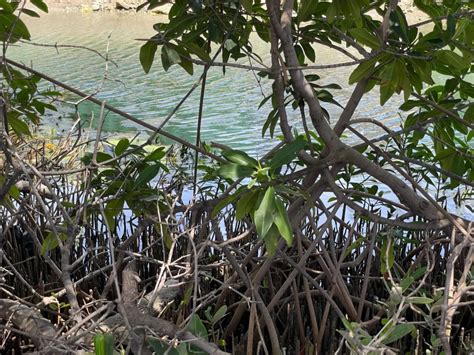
(231, 116)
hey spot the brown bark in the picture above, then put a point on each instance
(29, 320)
(139, 319)
(345, 153)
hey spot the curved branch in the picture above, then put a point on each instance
(419, 205)
(161, 326)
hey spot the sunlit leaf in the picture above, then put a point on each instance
(283, 223)
(240, 157)
(263, 216)
(234, 171)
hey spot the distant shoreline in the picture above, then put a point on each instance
(101, 6)
(110, 5)
(412, 14)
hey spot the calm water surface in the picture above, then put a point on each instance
(230, 116)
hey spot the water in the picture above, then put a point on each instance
(230, 117)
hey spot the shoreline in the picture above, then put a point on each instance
(412, 13)
(102, 6)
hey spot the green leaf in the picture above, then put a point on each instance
(271, 240)
(451, 59)
(387, 257)
(196, 326)
(165, 62)
(147, 55)
(309, 51)
(112, 209)
(348, 325)
(240, 157)
(420, 272)
(224, 202)
(364, 70)
(18, 126)
(388, 86)
(306, 8)
(245, 204)
(263, 216)
(147, 174)
(207, 313)
(432, 10)
(420, 300)
(287, 153)
(353, 246)
(173, 56)
(104, 344)
(51, 242)
(156, 155)
(365, 37)
(15, 193)
(30, 13)
(6, 6)
(160, 347)
(122, 146)
(220, 313)
(406, 282)
(354, 9)
(283, 223)
(462, 25)
(332, 12)
(102, 157)
(40, 5)
(234, 171)
(398, 332)
(247, 5)
(299, 54)
(187, 65)
(400, 25)
(195, 49)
